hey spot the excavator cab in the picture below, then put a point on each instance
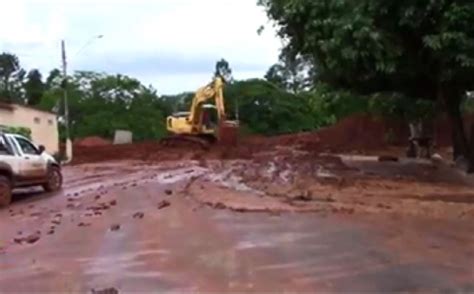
(209, 117)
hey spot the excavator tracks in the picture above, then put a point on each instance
(187, 141)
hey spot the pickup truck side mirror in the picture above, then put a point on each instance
(41, 149)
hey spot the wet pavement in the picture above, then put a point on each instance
(136, 245)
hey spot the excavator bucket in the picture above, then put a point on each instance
(228, 133)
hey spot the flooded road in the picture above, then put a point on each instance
(110, 229)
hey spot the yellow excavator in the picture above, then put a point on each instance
(205, 123)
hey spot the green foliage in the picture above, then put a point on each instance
(176, 103)
(34, 87)
(289, 75)
(223, 70)
(26, 132)
(423, 50)
(332, 105)
(99, 104)
(11, 78)
(266, 109)
(401, 107)
(419, 49)
(468, 104)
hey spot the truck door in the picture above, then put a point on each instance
(32, 165)
(7, 155)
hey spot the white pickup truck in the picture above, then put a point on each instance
(23, 164)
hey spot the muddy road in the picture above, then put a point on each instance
(135, 227)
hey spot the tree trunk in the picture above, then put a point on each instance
(460, 143)
(470, 168)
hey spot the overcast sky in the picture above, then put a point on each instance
(171, 44)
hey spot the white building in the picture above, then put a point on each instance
(43, 124)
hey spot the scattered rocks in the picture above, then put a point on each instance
(82, 224)
(219, 205)
(97, 197)
(304, 196)
(437, 157)
(56, 221)
(105, 291)
(168, 192)
(115, 227)
(99, 207)
(30, 239)
(163, 204)
(72, 205)
(388, 158)
(113, 202)
(35, 214)
(105, 206)
(384, 206)
(51, 232)
(138, 215)
(343, 210)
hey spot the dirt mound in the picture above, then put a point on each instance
(92, 142)
(357, 133)
(360, 134)
(363, 133)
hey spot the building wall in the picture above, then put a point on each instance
(43, 125)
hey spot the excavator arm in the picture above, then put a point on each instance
(213, 90)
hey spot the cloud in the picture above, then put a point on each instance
(170, 40)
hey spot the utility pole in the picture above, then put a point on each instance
(66, 106)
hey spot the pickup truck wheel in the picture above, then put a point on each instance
(55, 180)
(5, 191)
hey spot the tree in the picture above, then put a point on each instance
(223, 70)
(99, 104)
(54, 79)
(420, 49)
(291, 76)
(11, 77)
(267, 109)
(34, 87)
(277, 75)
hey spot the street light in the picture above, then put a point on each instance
(66, 106)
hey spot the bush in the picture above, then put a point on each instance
(468, 104)
(266, 109)
(396, 106)
(26, 132)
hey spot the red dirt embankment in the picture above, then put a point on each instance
(358, 133)
(92, 142)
